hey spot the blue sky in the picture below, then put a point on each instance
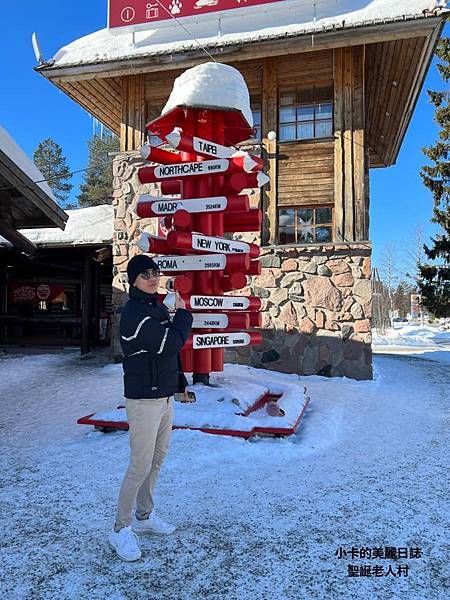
(32, 109)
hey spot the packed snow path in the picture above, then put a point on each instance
(261, 519)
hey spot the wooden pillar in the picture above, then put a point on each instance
(132, 128)
(95, 302)
(86, 291)
(366, 191)
(3, 299)
(269, 122)
(350, 155)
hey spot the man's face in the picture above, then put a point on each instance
(148, 281)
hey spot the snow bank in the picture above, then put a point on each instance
(15, 153)
(247, 24)
(412, 335)
(92, 225)
(212, 85)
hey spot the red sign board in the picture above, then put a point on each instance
(35, 293)
(124, 13)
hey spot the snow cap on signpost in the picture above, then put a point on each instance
(198, 87)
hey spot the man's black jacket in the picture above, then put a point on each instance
(151, 343)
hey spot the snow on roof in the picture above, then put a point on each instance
(15, 153)
(93, 225)
(288, 18)
(212, 85)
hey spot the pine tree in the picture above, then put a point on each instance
(97, 186)
(49, 159)
(434, 284)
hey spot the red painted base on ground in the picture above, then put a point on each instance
(278, 431)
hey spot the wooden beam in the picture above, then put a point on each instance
(367, 192)
(16, 238)
(359, 146)
(3, 299)
(269, 122)
(132, 128)
(350, 146)
(339, 154)
(86, 290)
(349, 199)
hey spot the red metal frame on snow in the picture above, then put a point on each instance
(284, 431)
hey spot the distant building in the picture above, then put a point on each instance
(61, 294)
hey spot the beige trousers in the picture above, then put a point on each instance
(150, 427)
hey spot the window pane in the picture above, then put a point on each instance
(287, 115)
(306, 235)
(305, 216)
(305, 96)
(257, 133)
(324, 129)
(323, 94)
(324, 111)
(323, 234)
(287, 98)
(286, 217)
(305, 112)
(286, 235)
(323, 215)
(256, 117)
(287, 132)
(305, 131)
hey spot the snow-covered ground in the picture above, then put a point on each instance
(262, 519)
(420, 341)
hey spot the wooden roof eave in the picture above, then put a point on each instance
(32, 193)
(419, 79)
(287, 44)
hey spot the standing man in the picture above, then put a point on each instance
(151, 343)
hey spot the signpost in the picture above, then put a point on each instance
(124, 13)
(208, 176)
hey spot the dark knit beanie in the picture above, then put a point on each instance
(138, 264)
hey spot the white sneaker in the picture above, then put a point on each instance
(125, 543)
(153, 524)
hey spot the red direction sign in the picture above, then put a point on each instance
(123, 13)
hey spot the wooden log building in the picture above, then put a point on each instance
(338, 90)
(58, 292)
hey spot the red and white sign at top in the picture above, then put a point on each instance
(124, 13)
